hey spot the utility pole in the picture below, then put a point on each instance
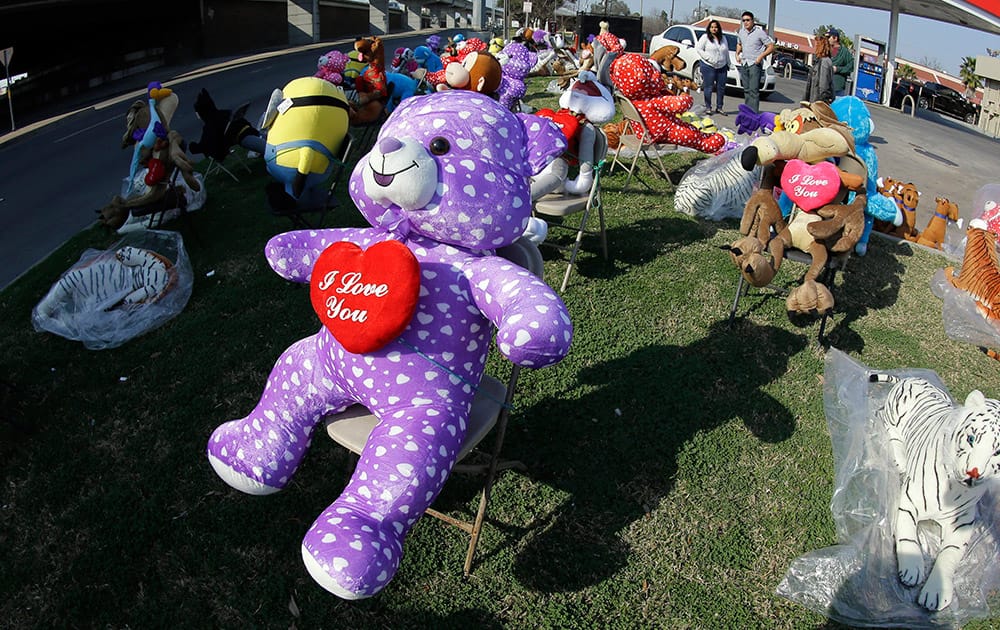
(671, 13)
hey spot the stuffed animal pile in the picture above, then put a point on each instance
(157, 154)
(371, 85)
(407, 308)
(819, 222)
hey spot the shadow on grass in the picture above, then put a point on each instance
(665, 395)
(867, 284)
(629, 246)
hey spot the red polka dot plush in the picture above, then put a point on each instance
(639, 80)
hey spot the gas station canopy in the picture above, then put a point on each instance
(982, 15)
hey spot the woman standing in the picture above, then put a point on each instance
(714, 53)
(819, 84)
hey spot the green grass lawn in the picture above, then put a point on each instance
(675, 465)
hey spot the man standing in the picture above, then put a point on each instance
(843, 62)
(753, 47)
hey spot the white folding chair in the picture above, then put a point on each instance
(490, 412)
(564, 205)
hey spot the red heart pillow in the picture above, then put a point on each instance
(810, 186)
(157, 171)
(365, 298)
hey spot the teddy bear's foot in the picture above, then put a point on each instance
(811, 298)
(351, 555)
(255, 457)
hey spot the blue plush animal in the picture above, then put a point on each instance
(403, 86)
(852, 110)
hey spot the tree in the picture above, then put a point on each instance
(933, 64)
(906, 71)
(610, 7)
(967, 72)
(822, 30)
(728, 12)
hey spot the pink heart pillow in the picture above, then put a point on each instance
(810, 186)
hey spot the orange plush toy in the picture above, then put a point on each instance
(638, 79)
(371, 85)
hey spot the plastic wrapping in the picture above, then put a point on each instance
(855, 582)
(962, 320)
(717, 188)
(138, 218)
(99, 300)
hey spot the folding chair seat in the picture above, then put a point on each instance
(835, 263)
(490, 412)
(564, 205)
(637, 138)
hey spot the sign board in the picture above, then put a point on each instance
(5, 55)
(527, 6)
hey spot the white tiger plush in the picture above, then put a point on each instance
(717, 188)
(945, 454)
(133, 276)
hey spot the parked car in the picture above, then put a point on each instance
(903, 88)
(685, 36)
(943, 99)
(798, 66)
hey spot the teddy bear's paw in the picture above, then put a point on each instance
(350, 555)
(254, 457)
(810, 298)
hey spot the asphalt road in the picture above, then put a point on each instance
(56, 170)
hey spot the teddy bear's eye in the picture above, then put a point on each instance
(440, 146)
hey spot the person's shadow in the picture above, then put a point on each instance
(615, 449)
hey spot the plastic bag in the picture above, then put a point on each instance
(105, 300)
(138, 218)
(855, 582)
(962, 320)
(717, 188)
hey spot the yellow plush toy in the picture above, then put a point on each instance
(306, 134)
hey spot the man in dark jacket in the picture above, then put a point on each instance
(843, 62)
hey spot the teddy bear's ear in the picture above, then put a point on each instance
(545, 141)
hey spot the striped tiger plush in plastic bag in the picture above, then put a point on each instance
(110, 296)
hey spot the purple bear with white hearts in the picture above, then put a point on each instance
(447, 177)
(516, 62)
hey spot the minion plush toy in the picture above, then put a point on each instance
(307, 131)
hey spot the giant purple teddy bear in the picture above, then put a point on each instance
(448, 178)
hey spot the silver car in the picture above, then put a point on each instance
(685, 36)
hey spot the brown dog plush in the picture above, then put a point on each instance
(906, 197)
(667, 57)
(371, 85)
(933, 235)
